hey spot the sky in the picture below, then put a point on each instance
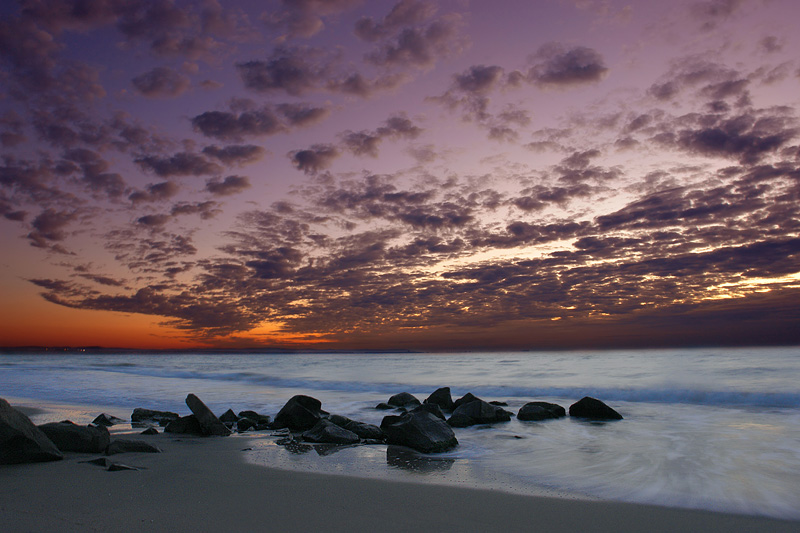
(412, 174)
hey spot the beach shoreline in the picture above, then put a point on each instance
(206, 483)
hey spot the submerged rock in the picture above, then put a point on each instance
(21, 441)
(404, 399)
(594, 409)
(209, 423)
(70, 437)
(540, 411)
(325, 431)
(420, 430)
(477, 412)
(383, 406)
(442, 398)
(299, 414)
(127, 446)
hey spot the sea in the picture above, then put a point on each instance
(704, 428)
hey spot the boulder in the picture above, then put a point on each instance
(383, 406)
(228, 418)
(107, 420)
(363, 430)
(593, 409)
(442, 398)
(149, 431)
(404, 399)
(21, 441)
(126, 446)
(325, 431)
(421, 431)
(467, 398)
(245, 424)
(432, 408)
(162, 418)
(540, 411)
(477, 412)
(299, 414)
(69, 437)
(209, 423)
(262, 421)
(185, 425)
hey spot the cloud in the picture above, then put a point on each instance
(238, 154)
(295, 71)
(421, 46)
(230, 185)
(404, 13)
(367, 142)
(267, 120)
(155, 192)
(179, 164)
(304, 18)
(49, 226)
(314, 159)
(559, 66)
(161, 82)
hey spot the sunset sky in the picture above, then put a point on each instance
(404, 174)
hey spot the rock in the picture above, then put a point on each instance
(404, 399)
(499, 403)
(149, 431)
(467, 398)
(299, 414)
(325, 431)
(244, 424)
(141, 416)
(363, 430)
(21, 441)
(69, 437)
(107, 420)
(432, 408)
(228, 417)
(593, 409)
(262, 421)
(477, 412)
(442, 398)
(540, 411)
(185, 425)
(126, 446)
(209, 423)
(421, 431)
(117, 467)
(383, 406)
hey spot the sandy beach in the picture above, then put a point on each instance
(205, 484)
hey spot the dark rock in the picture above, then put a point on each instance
(593, 409)
(259, 419)
(292, 445)
(149, 431)
(107, 420)
(432, 408)
(245, 424)
(228, 417)
(540, 411)
(117, 467)
(325, 431)
(126, 446)
(383, 406)
(209, 423)
(498, 403)
(299, 414)
(406, 459)
(69, 437)
(21, 441)
(467, 398)
(477, 412)
(442, 398)
(421, 431)
(185, 425)
(404, 399)
(162, 418)
(363, 430)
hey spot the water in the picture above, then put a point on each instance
(714, 429)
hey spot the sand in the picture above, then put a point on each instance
(205, 484)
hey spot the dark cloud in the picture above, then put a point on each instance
(304, 18)
(294, 71)
(179, 164)
(95, 172)
(302, 114)
(404, 13)
(367, 142)
(421, 46)
(559, 66)
(206, 210)
(230, 185)
(314, 159)
(161, 82)
(239, 154)
(11, 125)
(155, 192)
(49, 226)
(267, 120)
